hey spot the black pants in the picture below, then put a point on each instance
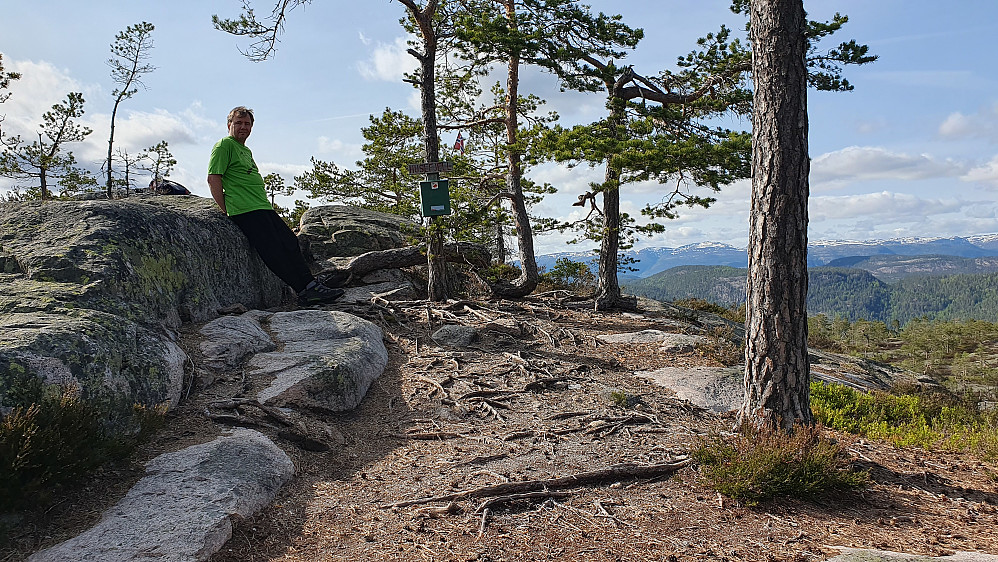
(277, 245)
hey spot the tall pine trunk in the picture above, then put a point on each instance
(109, 188)
(607, 287)
(529, 276)
(436, 287)
(777, 370)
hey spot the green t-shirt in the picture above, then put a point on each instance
(242, 183)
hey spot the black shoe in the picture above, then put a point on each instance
(317, 293)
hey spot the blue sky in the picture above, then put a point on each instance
(913, 151)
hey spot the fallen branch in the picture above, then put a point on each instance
(614, 473)
(487, 504)
(434, 384)
(476, 255)
(429, 436)
(546, 383)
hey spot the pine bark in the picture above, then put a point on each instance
(777, 370)
(529, 275)
(608, 288)
(436, 288)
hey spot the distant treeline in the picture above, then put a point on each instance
(850, 293)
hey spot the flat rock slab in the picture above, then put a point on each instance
(388, 290)
(862, 555)
(716, 389)
(228, 340)
(669, 342)
(181, 510)
(327, 360)
(644, 336)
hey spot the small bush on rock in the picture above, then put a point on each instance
(56, 439)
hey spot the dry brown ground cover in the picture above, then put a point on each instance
(537, 398)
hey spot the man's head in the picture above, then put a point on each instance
(240, 123)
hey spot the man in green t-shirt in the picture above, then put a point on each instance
(238, 190)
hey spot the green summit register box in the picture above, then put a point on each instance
(434, 198)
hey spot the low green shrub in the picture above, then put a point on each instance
(756, 465)
(620, 398)
(920, 418)
(500, 272)
(568, 275)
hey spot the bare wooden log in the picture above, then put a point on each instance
(469, 253)
(614, 473)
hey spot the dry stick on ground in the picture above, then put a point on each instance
(487, 504)
(615, 473)
(434, 384)
(429, 435)
(524, 496)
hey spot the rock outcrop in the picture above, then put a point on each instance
(182, 510)
(341, 231)
(92, 292)
(316, 359)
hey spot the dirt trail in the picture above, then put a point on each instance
(538, 398)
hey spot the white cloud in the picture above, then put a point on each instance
(344, 154)
(863, 163)
(141, 129)
(416, 102)
(287, 171)
(980, 125)
(988, 173)
(886, 206)
(43, 85)
(388, 62)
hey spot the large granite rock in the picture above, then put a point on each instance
(341, 231)
(182, 510)
(318, 359)
(229, 340)
(869, 555)
(92, 292)
(327, 360)
(156, 261)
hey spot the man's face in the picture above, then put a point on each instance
(240, 127)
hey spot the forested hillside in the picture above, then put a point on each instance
(837, 291)
(891, 268)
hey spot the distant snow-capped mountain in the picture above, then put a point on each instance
(649, 261)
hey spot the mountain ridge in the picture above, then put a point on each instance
(649, 261)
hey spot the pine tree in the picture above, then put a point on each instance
(37, 166)
(129, 52)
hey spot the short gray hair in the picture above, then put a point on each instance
(239, 112)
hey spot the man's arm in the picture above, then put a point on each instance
(215, 184)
